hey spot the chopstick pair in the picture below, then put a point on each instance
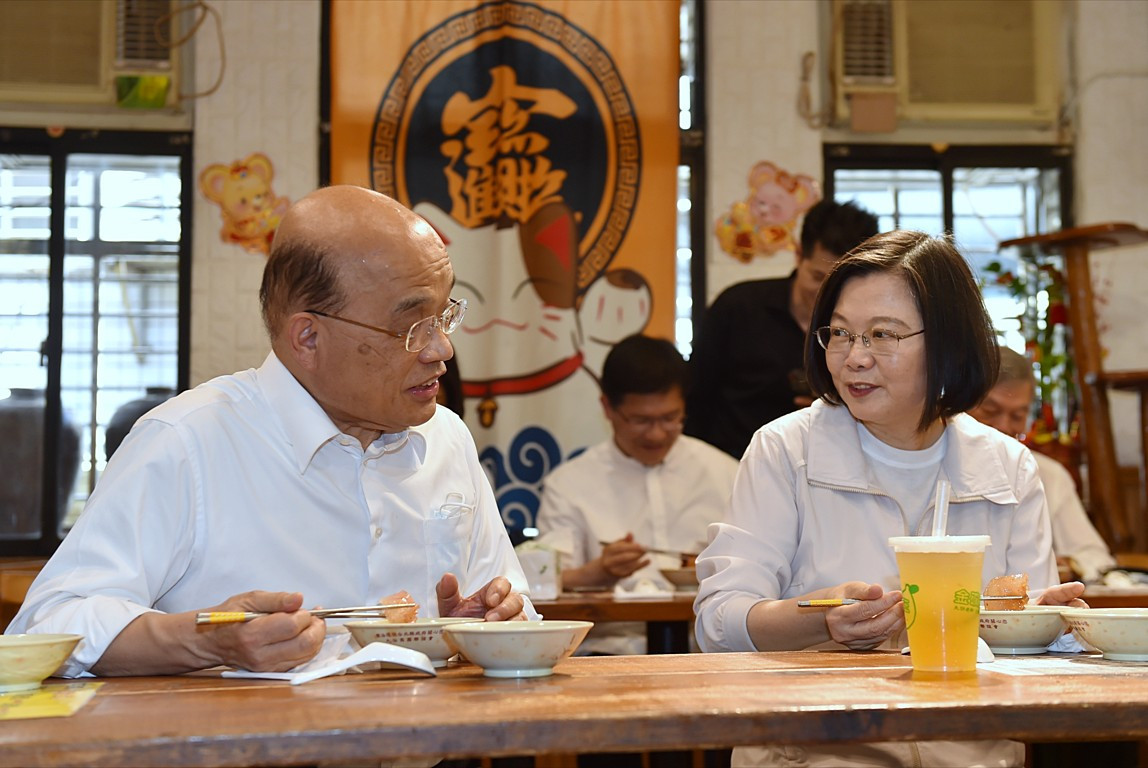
(353, 612)
(834, 602)
(827, 602)
(656, 551)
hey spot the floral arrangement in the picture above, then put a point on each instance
(1038, 283)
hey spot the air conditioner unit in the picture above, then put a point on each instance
(952, 61)
(88, 52)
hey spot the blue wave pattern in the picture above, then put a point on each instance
(517, 476)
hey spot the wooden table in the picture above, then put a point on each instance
(622, 703)
(1109, 597)
(667, 619)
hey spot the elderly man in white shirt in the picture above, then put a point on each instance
(328, 472)
(648, 486)
(1007, 407)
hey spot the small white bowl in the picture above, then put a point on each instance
(1022, 632)
(26, 660)
(682, 578)
(517, 648)
(1121, 634)
(425, 635)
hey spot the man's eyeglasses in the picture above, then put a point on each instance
(879, 341)
(420, 334)
(672, 423)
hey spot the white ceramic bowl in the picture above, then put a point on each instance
(517, 648)
(1022, 632)
(425, 635)
(26, 660)
(681, 578)
(1121, 634)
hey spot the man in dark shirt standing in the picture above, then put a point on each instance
(748, 360)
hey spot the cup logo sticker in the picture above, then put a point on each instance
(967, 600)
(908, 597)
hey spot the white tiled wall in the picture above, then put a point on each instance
(268, 102)
(1112, 182)
(754, 52)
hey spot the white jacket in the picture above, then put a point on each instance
(806, 514)
(603, 494)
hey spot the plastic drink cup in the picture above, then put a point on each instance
(941, 588)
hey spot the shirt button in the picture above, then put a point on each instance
(377, 533)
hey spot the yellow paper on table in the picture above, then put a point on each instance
(46, 701)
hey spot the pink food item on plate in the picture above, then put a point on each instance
(403, 614)
(1014, 584)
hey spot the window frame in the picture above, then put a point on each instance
(945, 159)
(57, 148)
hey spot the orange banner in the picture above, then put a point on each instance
(541, 141)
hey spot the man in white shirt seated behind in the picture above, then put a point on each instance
(329, 471)
(646, 486)
(1007, 407)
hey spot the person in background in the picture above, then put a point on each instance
(329, 472)
(748, 358)
(901, 347)
(450, 388)
(1008, 407)
(646, 486)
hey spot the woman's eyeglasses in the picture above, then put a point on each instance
(879, 341)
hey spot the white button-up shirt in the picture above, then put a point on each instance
(244, 483)
(1072, 532)
(604, 494)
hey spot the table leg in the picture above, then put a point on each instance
(667, 637)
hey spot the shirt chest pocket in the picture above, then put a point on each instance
(448, 534)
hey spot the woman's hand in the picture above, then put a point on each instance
(783, 625)
(868, 623)
(1067, 593)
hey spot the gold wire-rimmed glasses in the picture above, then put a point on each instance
(879, 341)
(419, 335)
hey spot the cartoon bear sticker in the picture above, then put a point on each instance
(763, 222)
(250, 209)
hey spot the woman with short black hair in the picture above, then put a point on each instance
(900, 346)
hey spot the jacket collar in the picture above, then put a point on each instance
(972, 462)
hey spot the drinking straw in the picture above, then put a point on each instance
(941, 508)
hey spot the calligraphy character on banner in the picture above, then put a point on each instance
(511, 129)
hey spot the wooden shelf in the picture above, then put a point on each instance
(1095, 236)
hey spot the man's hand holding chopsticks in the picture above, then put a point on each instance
(156, 643)
(284, 639)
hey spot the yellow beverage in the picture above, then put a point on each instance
(941, 585)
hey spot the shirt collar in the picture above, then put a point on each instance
(630, 461)
(308, 427)
(306, 424)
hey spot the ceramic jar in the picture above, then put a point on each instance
(22, 458)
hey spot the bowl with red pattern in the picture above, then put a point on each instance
(1121, 634)
(425, 635)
